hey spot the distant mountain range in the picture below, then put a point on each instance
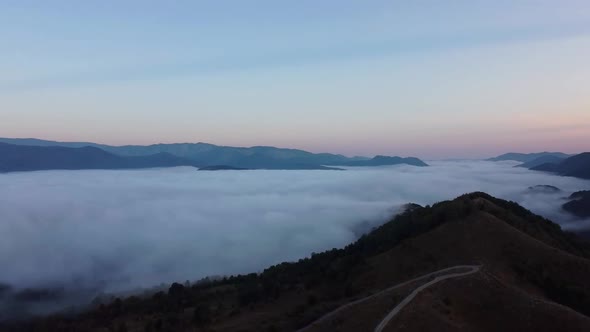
(576, 166)
(528, 157)
(34, 158)
(208, 155)
(476, 263)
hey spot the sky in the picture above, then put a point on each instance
(432, 79)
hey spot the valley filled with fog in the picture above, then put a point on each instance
(111, 231)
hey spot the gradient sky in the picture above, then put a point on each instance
(433, 79)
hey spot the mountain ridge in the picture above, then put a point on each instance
(576, 166)
(15, 158)
(527, 157)
(380, 160)
(546, 159)
(205, 154)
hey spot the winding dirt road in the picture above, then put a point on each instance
(408, 299)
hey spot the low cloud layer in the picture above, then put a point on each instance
(118, 230)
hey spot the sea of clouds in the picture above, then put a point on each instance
(111, 231)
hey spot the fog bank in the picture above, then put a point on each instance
(117, 230)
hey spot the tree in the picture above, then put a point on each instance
(202, 315)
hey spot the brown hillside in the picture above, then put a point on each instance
(483, 303)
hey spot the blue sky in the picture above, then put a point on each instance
(428, 78)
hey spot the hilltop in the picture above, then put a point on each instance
(579, 204)
(530, 275)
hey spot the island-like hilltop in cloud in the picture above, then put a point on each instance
(35, 154)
